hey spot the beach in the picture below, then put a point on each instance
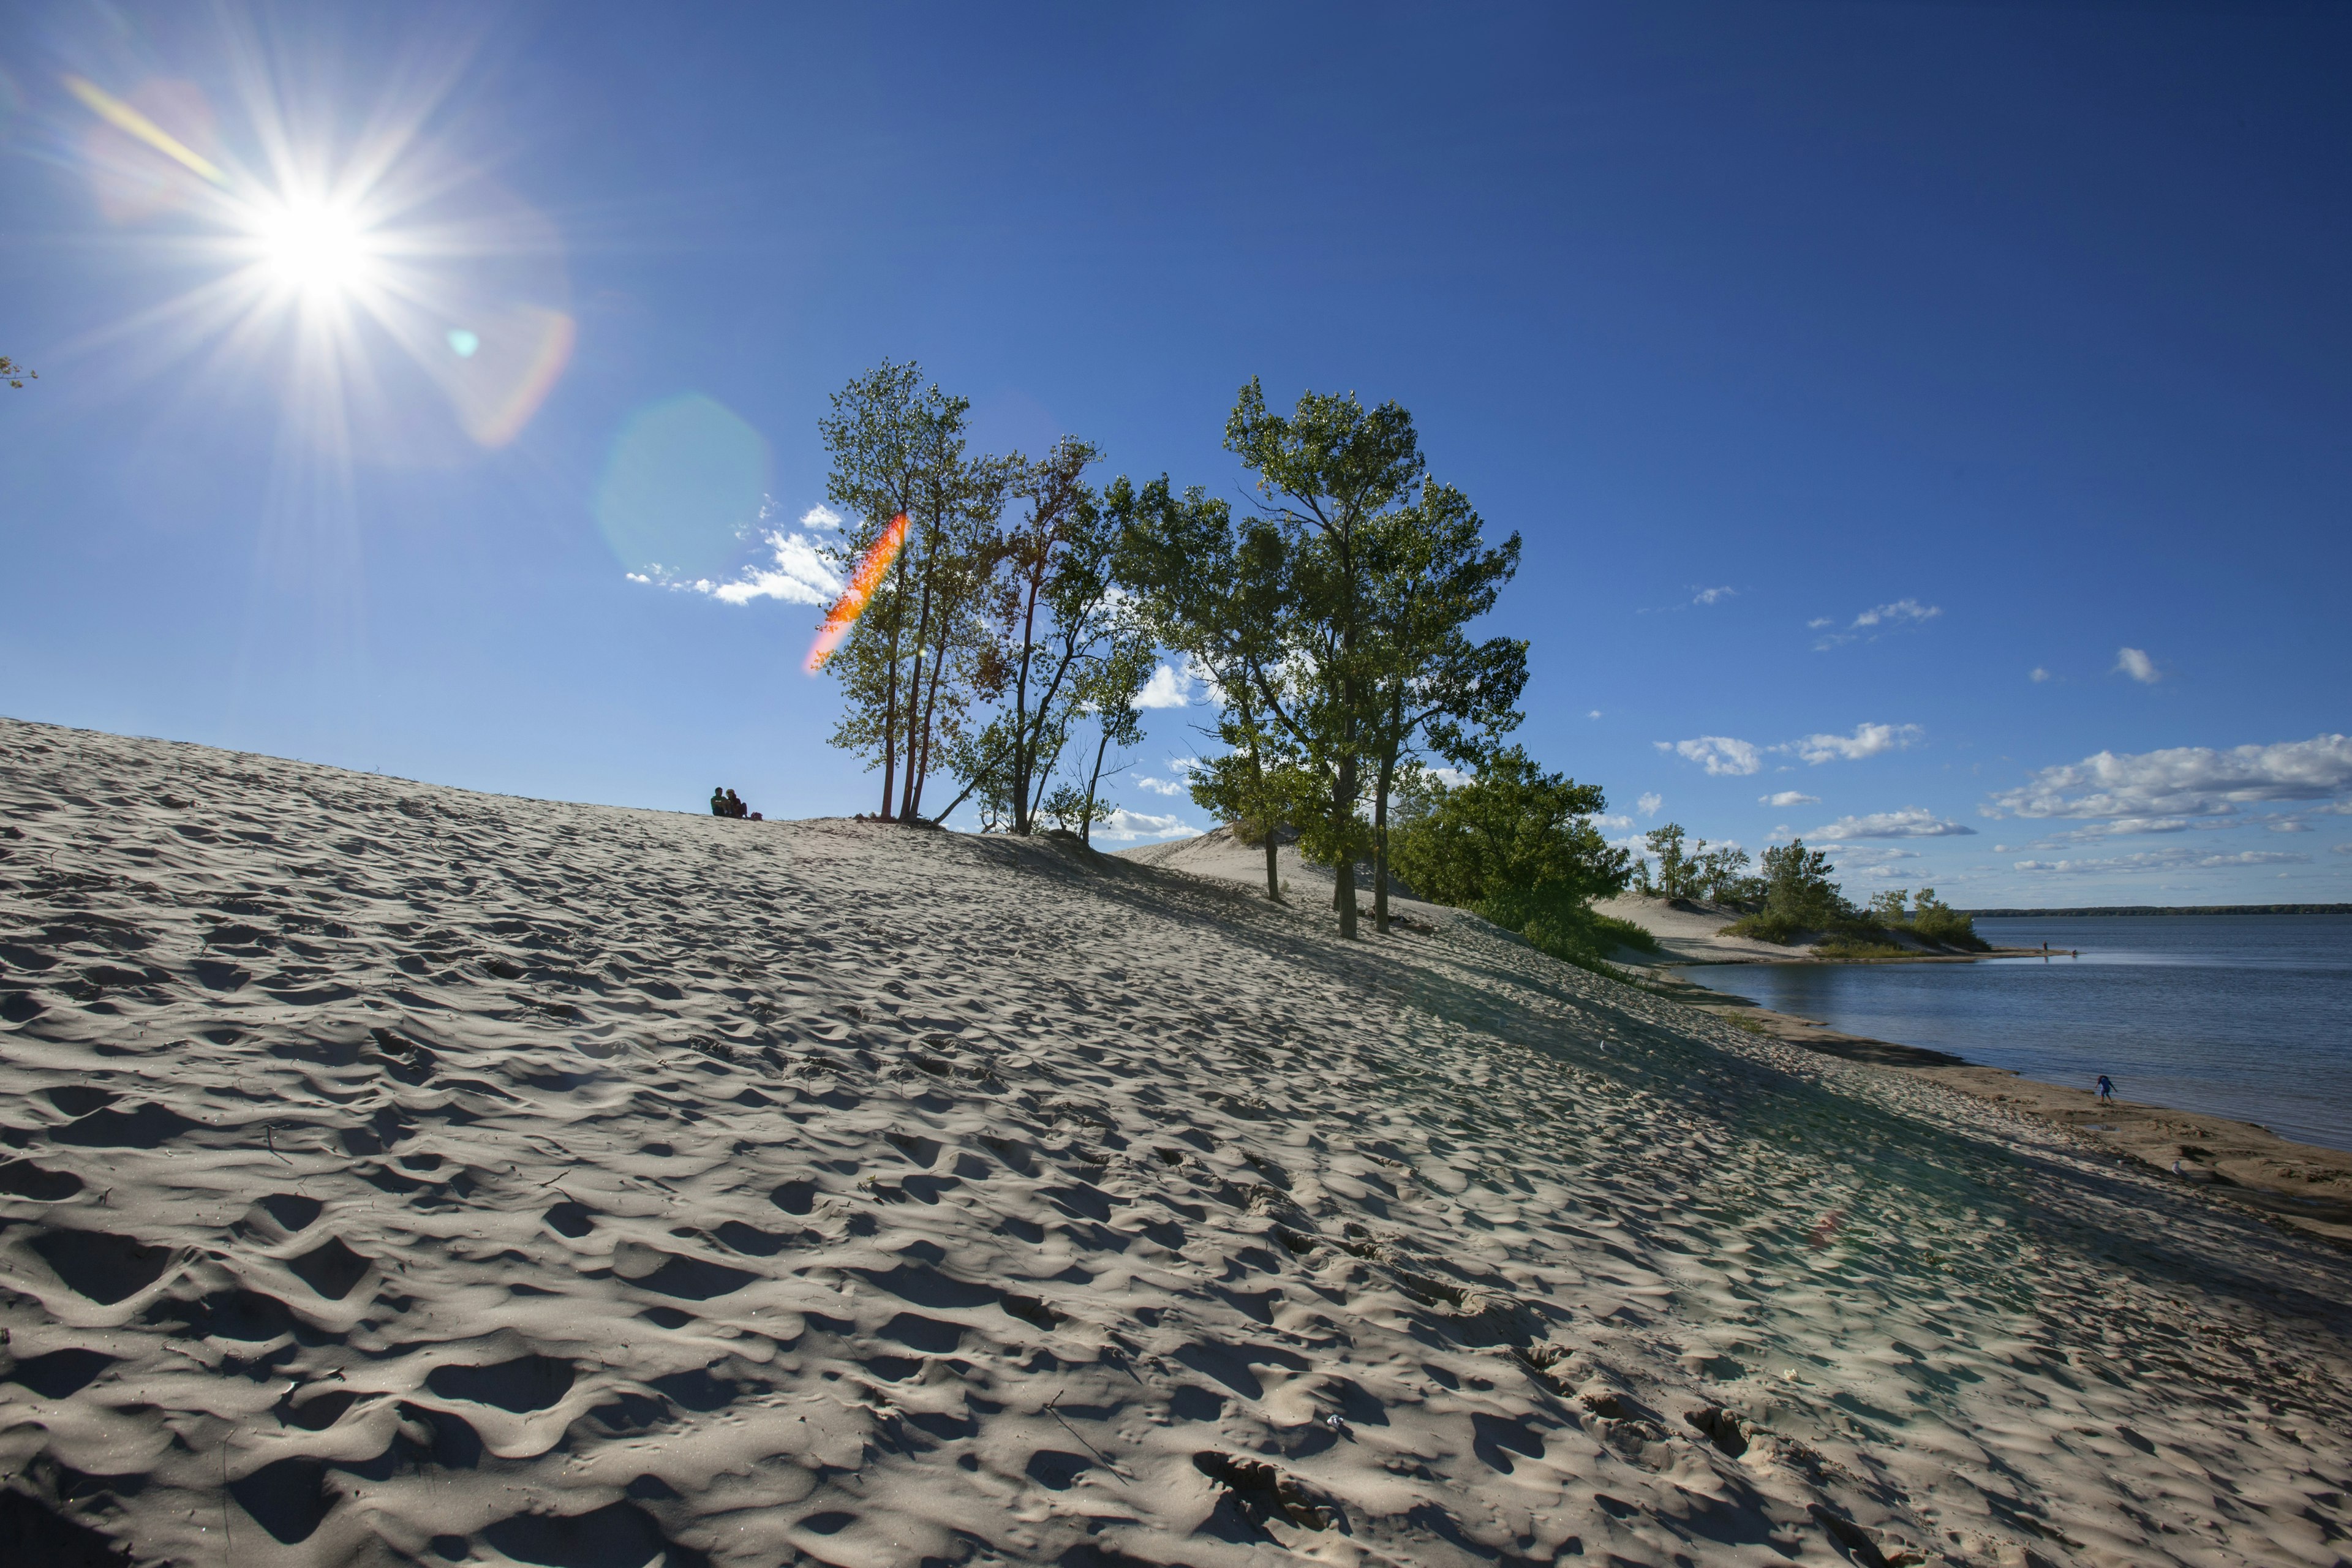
(400, 1175)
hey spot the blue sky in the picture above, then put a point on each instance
(1930, 416)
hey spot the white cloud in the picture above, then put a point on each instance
(2131, 661)
(2291, 825)
(1649, 805)
(1166, 689)
(2039, 674)
(2186, 781)
(1126, 825)
(1911, 822)
(1789, 797)
(2340, 849)
(1160, 786)
(1714, 595)
(797, 575)
(2162, 860)
(1618, 823)
(1901, 613)
(1720, 753)
(1867, 740)
(1594, 714)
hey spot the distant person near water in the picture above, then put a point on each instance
(2106, 1088)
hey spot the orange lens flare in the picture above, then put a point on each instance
(861, 583)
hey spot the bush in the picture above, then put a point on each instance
(1767, 925)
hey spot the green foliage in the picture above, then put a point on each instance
(917, 660)
(1690, 869)
(16, 374)
(1800, 898)
(1512, 836)
(1936, 921)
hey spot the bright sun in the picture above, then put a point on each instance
(313, 248)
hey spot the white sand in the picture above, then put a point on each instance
(1693, 934)
(406, 1175)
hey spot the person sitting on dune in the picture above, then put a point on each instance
(717, 802)
(735, 806)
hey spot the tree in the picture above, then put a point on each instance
(1327, 475)
(16, 374)
(916, 659)
(1050, 608)
(1674, 868)
(1215, 592)
(1431, 575)
(1798, 888)
(1511, 841)
(1886, 905)
(1721, 873)
(1109, 691)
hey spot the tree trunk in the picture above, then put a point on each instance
(1087, 823)
(1273, 870)
(914, 688)
(1380, 845)
(1344, 801)
(1024, 744)
(921, 773)
(891, 713)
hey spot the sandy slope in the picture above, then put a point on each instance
(400, 1175)
(1693, 933)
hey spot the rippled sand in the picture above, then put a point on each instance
(397, 1175)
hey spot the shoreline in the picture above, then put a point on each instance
(2305, 1187)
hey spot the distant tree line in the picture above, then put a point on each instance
(1328, 620)
(1792, 893)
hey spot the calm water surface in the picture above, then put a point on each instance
(2242, 1015)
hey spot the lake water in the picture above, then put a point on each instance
(2241, 1015)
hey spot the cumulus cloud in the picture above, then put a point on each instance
(1649, 805)
(2039, 674)
(1126, 826)
(2163, 860)
(1718, 753)
(797, 573)
(1618, 824)
(1789, 797)
(1875, 620)
(2135, 663)
(2186, 781)
(1714, 595)
(1867, 740)
(1594, 714)
(1166, 689)
(1911, 822)
(1160, 786)
(1722, 755)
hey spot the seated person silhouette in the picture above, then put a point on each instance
(735, 806)
(718, 803)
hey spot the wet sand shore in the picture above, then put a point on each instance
(2300, 1184)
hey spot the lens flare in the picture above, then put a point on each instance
(861, 583)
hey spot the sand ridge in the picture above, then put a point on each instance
(398, 1174)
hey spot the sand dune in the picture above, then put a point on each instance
(397, 1175)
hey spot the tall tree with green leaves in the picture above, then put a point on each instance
(1051, 607)
(915, 662)
(1326, 475)
(1431, 575)
(883, 429)
(1214, 591)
